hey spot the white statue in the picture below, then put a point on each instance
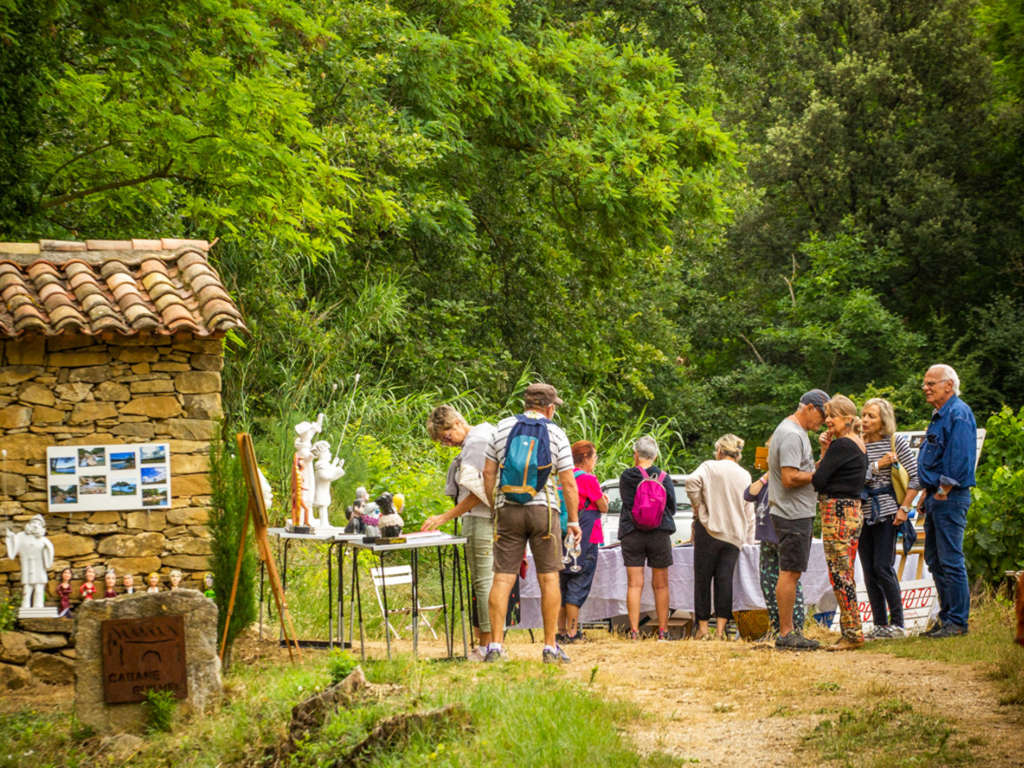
(36, 554)
(303, 474)
(266, 490)
(327, 471)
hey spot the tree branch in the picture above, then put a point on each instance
(752, 347)
(161, 173)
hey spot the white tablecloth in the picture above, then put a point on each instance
(608, 594)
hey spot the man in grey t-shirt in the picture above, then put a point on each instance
(793, 502)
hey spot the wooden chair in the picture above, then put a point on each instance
(393, 576)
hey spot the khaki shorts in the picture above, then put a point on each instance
(516, 524)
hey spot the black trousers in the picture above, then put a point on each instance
(714, 561)
(877, 550)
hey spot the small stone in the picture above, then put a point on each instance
(149, 544)
(190, 429)
(207, 362)
(112, 391)
(152, 385)
(188, 516)
(183, 464)
(147, 520)
(15, 374)
(37, 641)
(77, 359)
(120, 748)
(140, 368)
(52, 668)
(15, 417)
(197, 382)
(155, 407)
(189, 546)
(65, 545)
(206, 406)
(138, 355)
(13, 677)
(135, 564)
(36, 394)
(27, 351)
(26, 445)
(43, 415)
(141, 429)
(91, 411)
(190, 485)
(14, 647)
(104, 516)
(73, 392)
(94, 374)
(14, 485)
(188, 562)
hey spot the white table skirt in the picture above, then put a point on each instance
(608, 593)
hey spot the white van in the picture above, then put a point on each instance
(683, 518)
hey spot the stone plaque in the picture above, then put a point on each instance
(143, 654)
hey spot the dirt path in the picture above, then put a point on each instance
(731, 704)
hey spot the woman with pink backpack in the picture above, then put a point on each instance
(646, 526)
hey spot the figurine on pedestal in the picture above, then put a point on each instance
(129, 584)
(354, 511)
(327, 471)
(88, 589)
(110, 581)
(208, 586)
(175, 579)
(35, 552)
(153, 580)
(64, 593)
(303, 475)
(390, 522)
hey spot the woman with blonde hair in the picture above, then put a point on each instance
(884, 513)
(839, 480)
(722, 523)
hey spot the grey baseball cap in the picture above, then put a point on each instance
(816, 397)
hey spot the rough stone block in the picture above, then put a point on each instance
(140, 368)
(210, 346)
(78, 358)
(190, 485)
(149, 544)
(152, 385)
(91, 411)
(207, 362)
(138, 355)
(15, 374)
(52, 668)
(197, 382)
(171, 367)
(93, 529)
(190, 429)
(66, 545)
(73, 392)
(142, 565)
(90, 438)
(142, 429)
(93, 374)
(188, 516)
(26, 445)
(184, 464)
(43, 415)
(13, 677)
(36, 394)
(147, 520)
(27, 351)
(188, 562)
(104, 516)
(189, 446)
(112, 391)
(38, 641)
(14, 648)
(15, 417)
(70, 341)
(157, 407)
(48, 625)
(13, 485)
(189, 546)
(204, 406)
(203, 665)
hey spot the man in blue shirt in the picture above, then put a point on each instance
(945, 468)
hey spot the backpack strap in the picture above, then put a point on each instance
(644, 473)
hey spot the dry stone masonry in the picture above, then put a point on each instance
(108, 342)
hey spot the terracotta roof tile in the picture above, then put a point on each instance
(122, 286)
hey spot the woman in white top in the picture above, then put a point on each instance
(722, 523)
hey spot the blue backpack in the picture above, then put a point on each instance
(563, 513)
(527, 464)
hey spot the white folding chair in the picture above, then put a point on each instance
(393, 576)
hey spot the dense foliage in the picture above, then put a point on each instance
(682, 213)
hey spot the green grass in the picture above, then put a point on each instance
(888, 735)
(989, 644)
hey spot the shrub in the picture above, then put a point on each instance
(159, 707)
(340, 664)
(992, 541)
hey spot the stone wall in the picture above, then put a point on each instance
(81, 390)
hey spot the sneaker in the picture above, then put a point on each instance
(767, 637)
(949, 630)
(563, 639)
(882, 632)
(633, 635)
(932, 629)
(479, 653)
(663, 636)
(846, 644)
(794, 641)
(896, 631)
(557, 656)
(495, 656)
(579, 637)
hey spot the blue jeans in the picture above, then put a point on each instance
(944, 553)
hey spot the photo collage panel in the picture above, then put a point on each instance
(93, 478)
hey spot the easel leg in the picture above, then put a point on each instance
(387, 618)
(415, 603)
(234, 582)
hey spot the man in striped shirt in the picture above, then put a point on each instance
(535, 521)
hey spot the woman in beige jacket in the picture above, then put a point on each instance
(722, 523)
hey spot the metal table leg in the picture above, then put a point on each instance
(415, 602)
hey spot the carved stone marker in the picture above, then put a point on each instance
(140, 655)
(139, 628)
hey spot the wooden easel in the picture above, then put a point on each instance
(256, 510)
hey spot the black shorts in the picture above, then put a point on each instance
(653, 548)
(794, 542)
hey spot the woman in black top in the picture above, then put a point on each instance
(839, 480)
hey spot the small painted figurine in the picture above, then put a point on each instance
(35, 553)
(208, 586)
(175, 579)
(110, 580)
(88, 588)
(64, 593)
(390, 522)
(154, 582)
(356, 524)
(129, 584)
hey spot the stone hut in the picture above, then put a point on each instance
(106, 342)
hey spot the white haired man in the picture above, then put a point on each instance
(945, 470)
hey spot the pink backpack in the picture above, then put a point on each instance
(649, 502)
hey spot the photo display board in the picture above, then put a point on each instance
(90, 478)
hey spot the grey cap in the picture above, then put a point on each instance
(540, 394)
(816, 397)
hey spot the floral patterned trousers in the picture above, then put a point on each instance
(840, 531)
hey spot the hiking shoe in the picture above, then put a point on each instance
(879, 633)
(794, 641)
(949, 630)
(846, 644)
(663, 636)
(932, 629)
(557, 656)
(495, 656)
(479, 653)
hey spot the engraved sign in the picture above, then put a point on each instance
(143, 654)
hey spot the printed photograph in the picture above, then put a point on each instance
(153, 475)
(62, 465)
(154, 497)
(92, 457)
(92, 484)
(122, 488)
(122, 460)
(63, 494)
(153, 454)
